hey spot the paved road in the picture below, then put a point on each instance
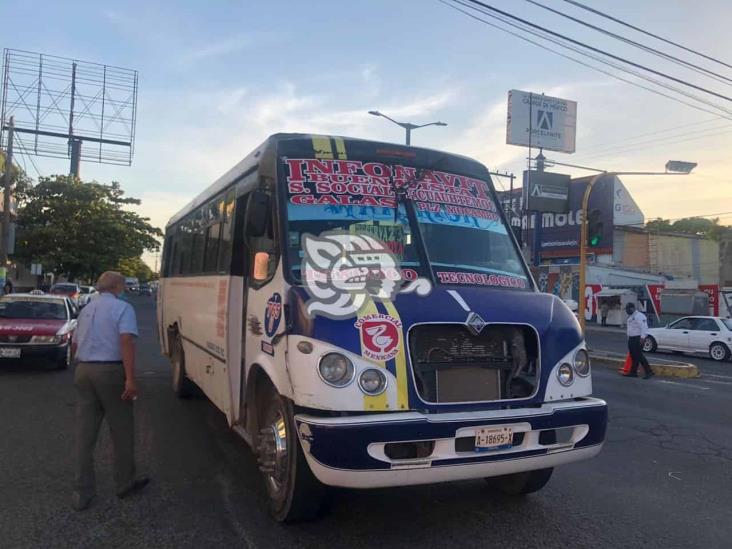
(663, 479)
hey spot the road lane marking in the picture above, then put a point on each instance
(720, 377)
(718, 382)
(683, 384)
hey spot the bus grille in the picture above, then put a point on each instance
(452, 364)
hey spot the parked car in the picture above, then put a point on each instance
(37, 326)
(146, 289)
(86, 293)
(68, 289)
(693, 334)
(132, 284)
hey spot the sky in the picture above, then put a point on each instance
(216, 78)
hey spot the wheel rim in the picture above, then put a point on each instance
(718, 352)
(647, 346)
(273, 453)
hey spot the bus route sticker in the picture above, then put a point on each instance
(380, 335)
(272, 314)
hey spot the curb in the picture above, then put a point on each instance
(662, 368)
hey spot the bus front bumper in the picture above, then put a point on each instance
(352, 451)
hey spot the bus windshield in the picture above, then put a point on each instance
(464, 237)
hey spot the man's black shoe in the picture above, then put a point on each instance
(630, 375)
(649, 375)
(136, 486)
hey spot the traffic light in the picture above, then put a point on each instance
(594, 228)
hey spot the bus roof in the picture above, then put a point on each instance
(251, 161)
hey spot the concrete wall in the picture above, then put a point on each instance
(630, 249)
(684, 256)
(725, 259)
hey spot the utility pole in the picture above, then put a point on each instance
(7, 182)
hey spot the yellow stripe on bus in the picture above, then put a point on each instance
(378, 402)
(401, 363)
(340, 148)
(322, 147)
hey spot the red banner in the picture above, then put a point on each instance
(713, 291)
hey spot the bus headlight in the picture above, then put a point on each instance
(372, 381)
(565, 375)
(336, 369)
(582, 363)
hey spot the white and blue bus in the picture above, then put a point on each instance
(363, 316)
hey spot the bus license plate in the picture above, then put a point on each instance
(493, 439)
(9, 352)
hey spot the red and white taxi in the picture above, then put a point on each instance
(37, 326)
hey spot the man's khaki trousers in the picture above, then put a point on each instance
(99, 388)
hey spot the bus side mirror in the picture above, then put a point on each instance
(257, 214)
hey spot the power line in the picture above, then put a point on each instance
(667, 56)
(657, 37)
(648, 134)
(600, 51)
(593, 67)
(654, 144)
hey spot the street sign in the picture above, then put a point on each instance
(540, 121)
(548, 192)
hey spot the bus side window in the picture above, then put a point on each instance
(227, 233)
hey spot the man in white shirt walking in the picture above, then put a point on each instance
(104, 348)
(637, 331)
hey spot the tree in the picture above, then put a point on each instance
(135, 266)
(699, 226)
(80, 229)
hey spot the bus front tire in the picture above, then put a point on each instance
(520, 484)
(183, 387)
(294, 492)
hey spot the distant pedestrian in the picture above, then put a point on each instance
(8, 288)
(637, 332)
(604, 308)
(104, 349)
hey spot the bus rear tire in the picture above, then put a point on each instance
(183, 387)
(294, 492)
(520, 484)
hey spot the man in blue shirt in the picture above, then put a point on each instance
(104, 349)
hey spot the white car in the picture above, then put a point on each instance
(86, 294)
(693, 334)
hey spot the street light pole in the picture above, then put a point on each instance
(408, 126)
(680, 168)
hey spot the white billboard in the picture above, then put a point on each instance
(540, 121)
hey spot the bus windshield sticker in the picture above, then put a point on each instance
(480, 279)
(352, 189)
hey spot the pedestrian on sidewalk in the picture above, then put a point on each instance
(637, 329)
(604, 308)
(104, 351)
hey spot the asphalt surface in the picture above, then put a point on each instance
(662, 480)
